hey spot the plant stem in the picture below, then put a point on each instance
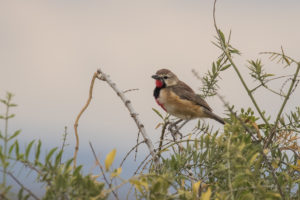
(5, 143)
(228, 166)
(282, 106)
(225, 50)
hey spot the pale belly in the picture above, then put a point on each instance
(177, 107)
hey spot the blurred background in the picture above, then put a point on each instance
(49, 51)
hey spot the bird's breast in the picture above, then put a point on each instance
(176, 106)
(162, 97)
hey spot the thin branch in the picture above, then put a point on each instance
(133, 114)
(272, 79)
(79, 115)
(228, 171)
(64, 141)
(273, 91)
(176, 131)
(130, 90)
(279, 54)
(128, 153)
(21, 185)
(102, 170)
(136, 149)
(141, 164)
(163, 130)
(269, 140)
(225, 50)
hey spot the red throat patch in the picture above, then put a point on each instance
(159, 83)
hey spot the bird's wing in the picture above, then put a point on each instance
(185, 92)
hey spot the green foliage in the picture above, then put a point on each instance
(233, 164)
(60, 180)
(252, 158)
(257, 71)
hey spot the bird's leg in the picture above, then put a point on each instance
(175, 131)
(178, 121)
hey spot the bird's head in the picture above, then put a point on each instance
(165, 78)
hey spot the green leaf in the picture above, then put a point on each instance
(38, 151)
(225, 67)
(1, 136)
(286, 60)
(213, 68)
(295, 117)
(158, 113)
(3, 101)
(11, 116)
(267, 75)
(50, 154)
(68, 164)
(12, 105)
(9, 96)
(11, 148)
(77, 170)
(20, 194)
(17, 148)
(58, 158)
(28, 148)
(219, 62)
(14, 135)
(222, 37)
(235, 51)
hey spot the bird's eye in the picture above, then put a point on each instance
(165, 77)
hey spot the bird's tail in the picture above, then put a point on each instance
(214, 116)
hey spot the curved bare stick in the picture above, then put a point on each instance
(133, 114)
(79, 115)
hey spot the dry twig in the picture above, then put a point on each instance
(21, 185)
(79, 115)
(133, 114)
(102, 170)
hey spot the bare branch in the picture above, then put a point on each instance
(21, 185)
(130, 90)
(133, 114)
(163, 130)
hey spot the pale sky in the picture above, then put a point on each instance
(49, 51)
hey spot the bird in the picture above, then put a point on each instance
(178, 99)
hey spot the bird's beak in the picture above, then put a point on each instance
(156, 77)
